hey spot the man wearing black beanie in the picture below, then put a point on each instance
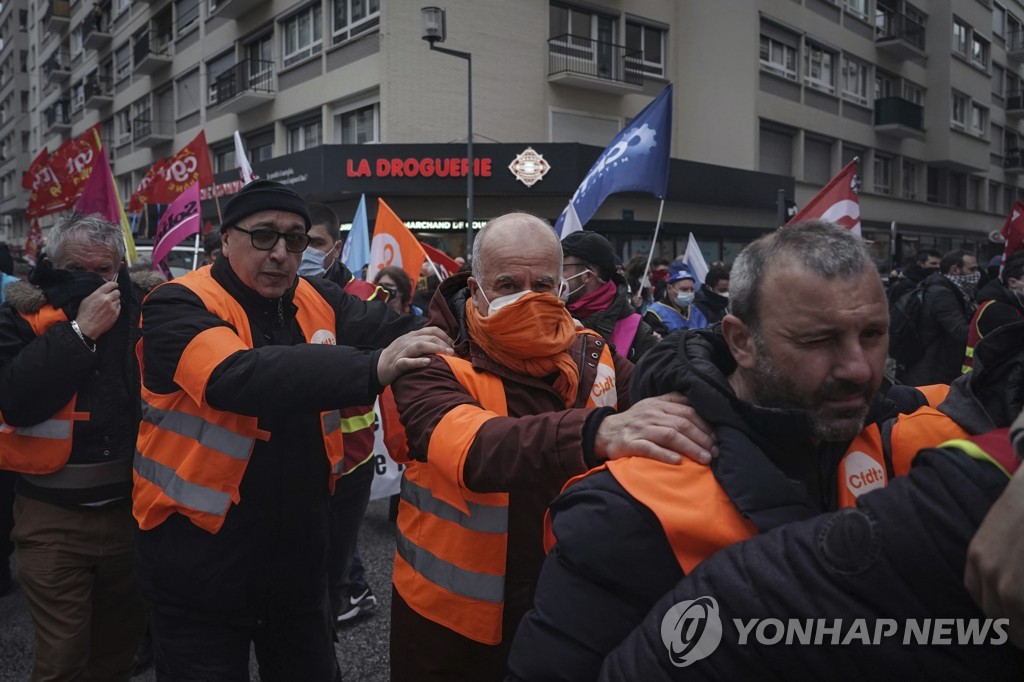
(597, 295)
(245, 366)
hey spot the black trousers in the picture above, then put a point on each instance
(348, 507)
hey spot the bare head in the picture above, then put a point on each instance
(513, 253)
(91, 243)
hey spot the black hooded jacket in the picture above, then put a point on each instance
(612, 559)
(714, 306)
(1005, 308)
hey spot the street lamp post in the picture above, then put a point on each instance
(434, 31)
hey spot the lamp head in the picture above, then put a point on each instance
(433, 22)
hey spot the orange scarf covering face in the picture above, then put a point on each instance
(531, 336)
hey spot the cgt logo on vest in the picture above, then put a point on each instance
(324, 337)
(862, 473)
(691, 630)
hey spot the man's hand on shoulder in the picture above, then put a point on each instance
(411, 351)
(662, 428)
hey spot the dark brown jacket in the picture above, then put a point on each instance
(531, 456)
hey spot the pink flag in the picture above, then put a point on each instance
(179, 221)
(836, 202)
(98, 193)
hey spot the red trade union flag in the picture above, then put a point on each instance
(34, 242)
(836, 202)
(1013, 233)
(45, 193)
(191, 164)
(446, 265)
(179, 221)
(73, 163)
(140, 197)
(99, 195)
(393, 244)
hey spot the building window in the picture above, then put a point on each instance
(883, 174)
(775, 153)
(187, 93)
(885, 84)
(960, 32)
(187, 13)
(260, 145)
(979, 120)
(959, 114)
(304, 135)
(353, 17)
(993, 197)
(817, 159)
(979, 51)
(123, 126)
(123, 62)
(913, 93)
(998, 80)
(302, 35)
(76, 41)
(650, 43)
(973, 193)
(360, 125)
(858, 8)
(998, 19)
(909, 179)
(215, 68)
(819, 68)
(855, 81)
(259, 55)
(223, 157)
(778, 58)
(121, 6)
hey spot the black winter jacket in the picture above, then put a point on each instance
(1005, 308)
(714, 306)
(945, 319)
(899, 555)
(604, 324)
(272, 547)
(39, 375)
(612, 559)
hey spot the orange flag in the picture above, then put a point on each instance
(393, 244)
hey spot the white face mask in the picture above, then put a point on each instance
(683, 300)
(502, 301)
(563, 290)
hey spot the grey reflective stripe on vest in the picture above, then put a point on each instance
(54, 429)
(207, 434)
(81, 476)
(481, 519)
(185, 493)
(331, 422)
(478, 586)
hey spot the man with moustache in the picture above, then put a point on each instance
(245, 367)
(792, 384)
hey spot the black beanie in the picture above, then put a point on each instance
(593, 249)
(263, 195)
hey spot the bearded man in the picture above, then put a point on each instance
(792, 384)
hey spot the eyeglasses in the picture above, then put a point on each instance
(392, 293)
(266, 240)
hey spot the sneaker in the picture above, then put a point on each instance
(361, 602)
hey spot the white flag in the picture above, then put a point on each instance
(244, 169)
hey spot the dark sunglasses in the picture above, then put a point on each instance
(266, 240)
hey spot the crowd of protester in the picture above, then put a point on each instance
(588, 444)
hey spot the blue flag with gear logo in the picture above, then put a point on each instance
(635, 161)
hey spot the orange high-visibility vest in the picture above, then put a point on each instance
(699, 518)
(452, 542)
(44, 447)
(191, 457)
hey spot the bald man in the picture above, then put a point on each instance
(494, 433)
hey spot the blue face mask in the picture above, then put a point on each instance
(312, 263)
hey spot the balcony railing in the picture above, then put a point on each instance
(1013, 162)
(898, 111)
(98, 91)
(1015, 103)
(59, 114)
(151, 51)
(58, 14)
(96, 31)
(58, 66)
(1015, 43)
(251, 79)
(895, 30)
(147, 132)
(594, 59)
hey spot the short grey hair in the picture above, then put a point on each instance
(88, 229)
(822, 248)
(477, 266)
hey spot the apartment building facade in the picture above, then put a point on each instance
(15, 142)
(342, 98)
